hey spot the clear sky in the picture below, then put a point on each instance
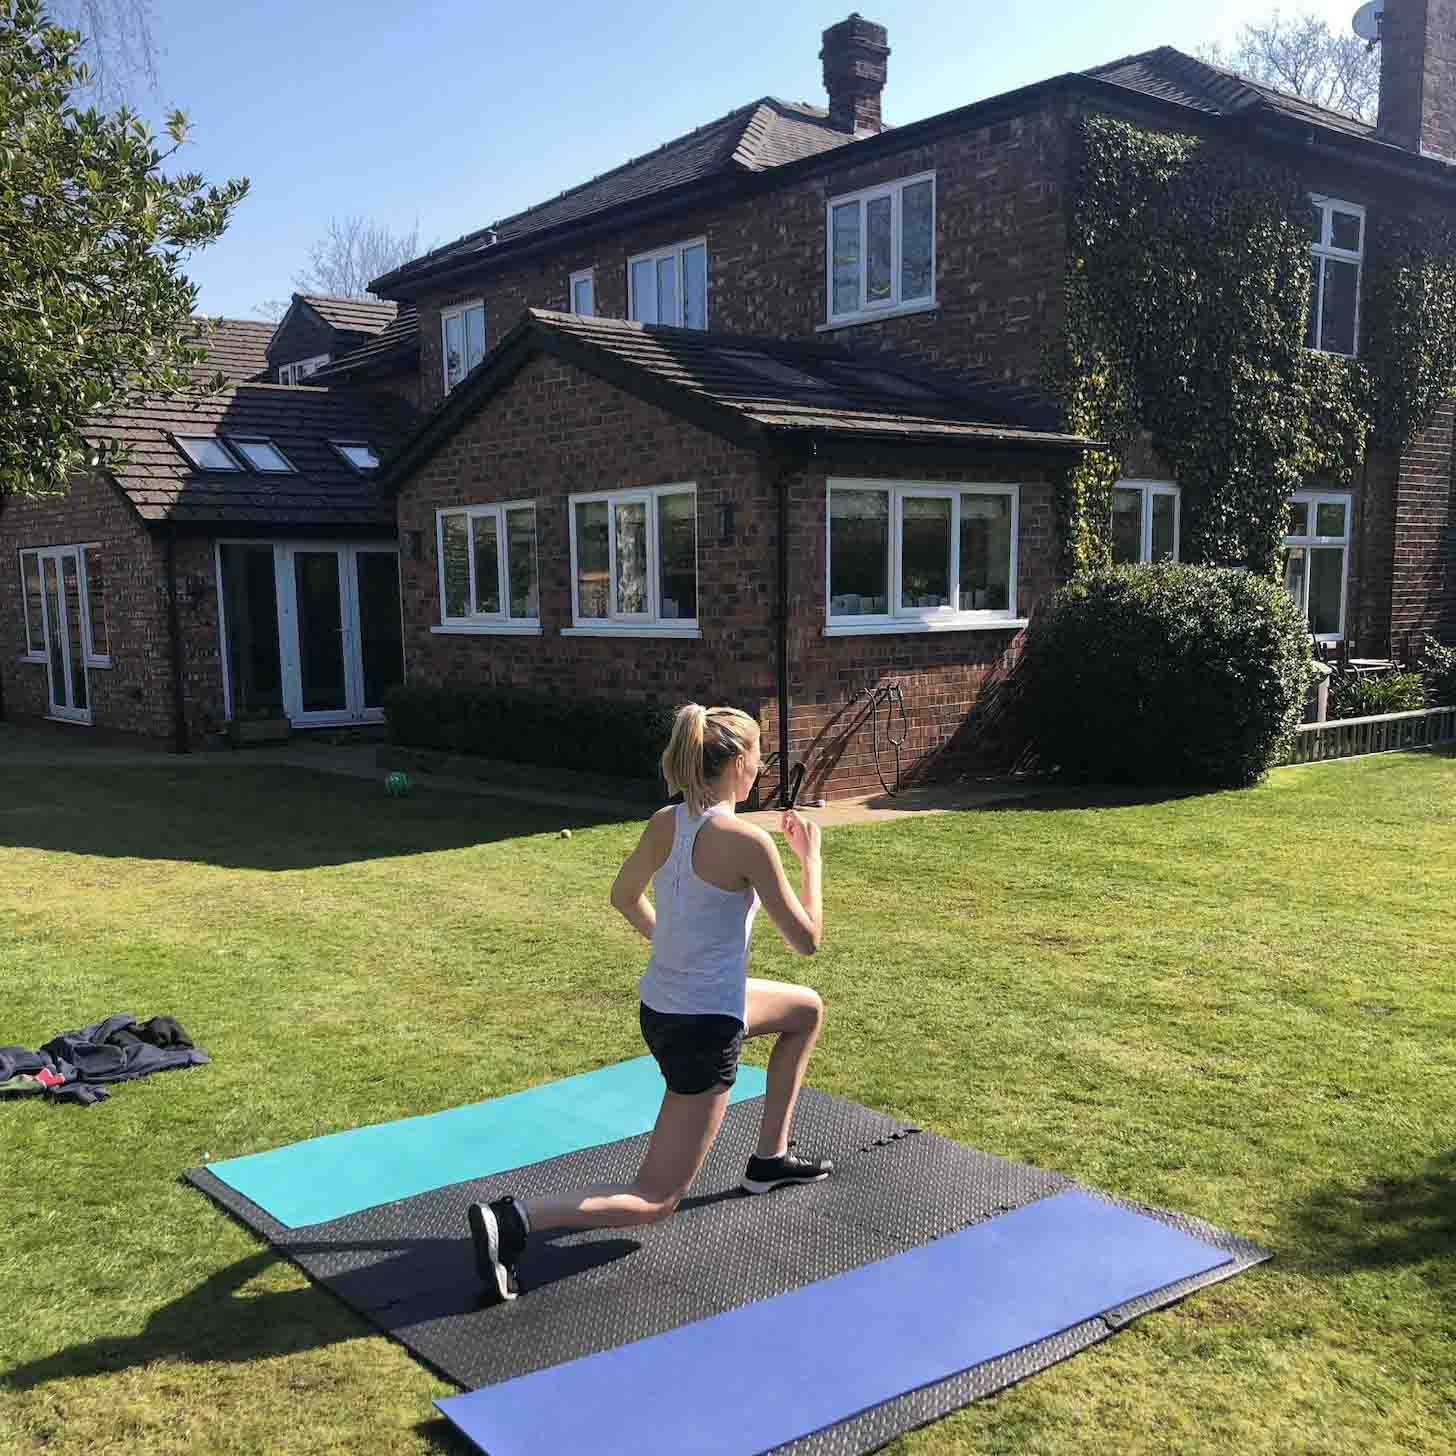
(459, 112)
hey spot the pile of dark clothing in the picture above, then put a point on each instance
(76, 1065)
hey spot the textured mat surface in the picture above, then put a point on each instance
(407, 1266)
(749, 1380)
(340, 1173)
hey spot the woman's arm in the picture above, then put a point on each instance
(800, 918)
(629, 890)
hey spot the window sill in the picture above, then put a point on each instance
(487, 629)
(615, 630)
(869, 316)
(963, 624)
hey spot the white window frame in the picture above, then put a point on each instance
(899, 618)
(1325, 249)
(1309, 541)
(674, 251)
(238, 467)
(89, 656)
(300, 369)
(650, 623)
(501, 623)
(1148, 489)
(894, 305)
(341, 447)
(238, 442)
(589, 277)
(459, 310)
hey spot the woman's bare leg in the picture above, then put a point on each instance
(686, 1127)
(794, 1014)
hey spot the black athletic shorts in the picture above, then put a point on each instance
(696, 1053)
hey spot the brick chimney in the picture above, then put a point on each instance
(1418, 75)
(854, 57)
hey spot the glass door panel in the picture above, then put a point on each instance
(380, 635)
(322, 650)
(64, 635)
(250, 613)
(75, 642)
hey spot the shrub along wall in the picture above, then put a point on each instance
(583, 735)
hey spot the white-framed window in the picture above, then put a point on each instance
(634, 561)
(462, 340)
(584, 292)
(300, 369)
(903, 556)
(206, 452)
(1337, 240)
(489, 575)
(262, 454)
(86, 566)
(880, 250)
(1145, 521)
(1316, 559)
(670, 286)
(359, 454)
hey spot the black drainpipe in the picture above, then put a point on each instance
(786, 790)
(174, 631)
(22, 628)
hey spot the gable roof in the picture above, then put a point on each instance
(764, 134)
(1173, 76)
(759, 393)
(237, 347)
(352, 315)
(395, 347)
(163, 485)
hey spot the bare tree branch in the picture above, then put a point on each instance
(1306, 57)
(117, 45)
(352, 253)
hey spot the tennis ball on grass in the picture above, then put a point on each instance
(565, 834)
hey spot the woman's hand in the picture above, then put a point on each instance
(804, 835)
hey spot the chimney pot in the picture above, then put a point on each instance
(854, 54)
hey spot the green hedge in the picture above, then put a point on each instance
(1438, 668)
(1164, 674)
(587, 735)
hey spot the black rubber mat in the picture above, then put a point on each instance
(408, 1267)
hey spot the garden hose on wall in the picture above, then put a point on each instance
(891, 697)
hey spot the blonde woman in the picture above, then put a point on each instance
(709, 872)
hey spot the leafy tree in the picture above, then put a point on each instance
(95, 311)
(1306, 57)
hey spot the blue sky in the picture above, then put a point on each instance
(458, 112)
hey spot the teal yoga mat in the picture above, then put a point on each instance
(344, 1172)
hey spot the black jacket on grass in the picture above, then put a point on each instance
(75, 1065)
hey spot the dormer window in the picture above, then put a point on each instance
(206, 452)
(1337, 237)
(357, 453)
(300, 369)
(462, 340)
(262, 454)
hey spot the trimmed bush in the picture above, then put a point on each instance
(1165, 674)
(1365, 697)
(1438, 668)
(587, 735)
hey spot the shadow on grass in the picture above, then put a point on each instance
(253, 817)
(1381, 1223)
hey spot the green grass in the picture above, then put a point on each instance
(1239, 1005)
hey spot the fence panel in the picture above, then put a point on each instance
(1383, 733)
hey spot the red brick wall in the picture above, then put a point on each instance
(556, 431)
(1000, 255)
(134, 695)
(1423, 568)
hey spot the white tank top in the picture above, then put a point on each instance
(699, 963)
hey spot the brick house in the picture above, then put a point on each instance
(937, 250)
(241, 562)
(812, 378)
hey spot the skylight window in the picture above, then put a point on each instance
(206, 452)
(262, 454)
(358, 453)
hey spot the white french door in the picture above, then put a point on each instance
(65, 626)
(334, 612)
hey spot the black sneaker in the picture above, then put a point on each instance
(766, 1173)
(499, 1237)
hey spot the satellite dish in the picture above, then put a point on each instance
(1367, 20)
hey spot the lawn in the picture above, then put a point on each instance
(1239, 1005)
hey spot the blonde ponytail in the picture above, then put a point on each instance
(704, 742)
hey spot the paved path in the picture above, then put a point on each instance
(44, 749)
